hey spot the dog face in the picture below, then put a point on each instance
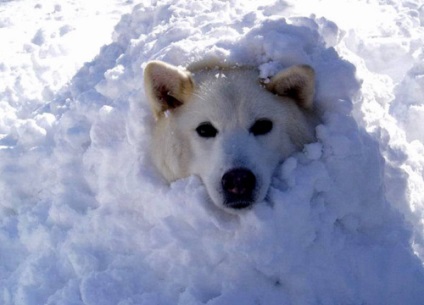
(223, 125)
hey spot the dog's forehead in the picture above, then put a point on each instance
(232, 96)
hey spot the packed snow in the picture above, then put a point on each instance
(86, 219)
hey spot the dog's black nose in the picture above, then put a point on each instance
(238, 185)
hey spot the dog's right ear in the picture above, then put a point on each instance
(167, 87)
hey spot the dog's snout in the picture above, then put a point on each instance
(238, 185)
(239, 182)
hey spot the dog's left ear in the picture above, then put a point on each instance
(296, 82)
(167, 87)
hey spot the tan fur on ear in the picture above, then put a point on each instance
(167, 87)
(297, 82)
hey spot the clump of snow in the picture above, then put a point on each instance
(85, 218)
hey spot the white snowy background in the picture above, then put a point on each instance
(85, 219)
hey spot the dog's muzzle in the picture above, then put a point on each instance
(238, 186)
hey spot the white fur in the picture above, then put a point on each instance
(231, 99)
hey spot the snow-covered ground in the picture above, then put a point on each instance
(85, 219)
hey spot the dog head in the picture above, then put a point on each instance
(227, 127)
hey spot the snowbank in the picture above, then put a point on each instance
(85, 219)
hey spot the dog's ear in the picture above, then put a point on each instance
(296, 82)
(167, 87)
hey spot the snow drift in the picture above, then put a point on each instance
(85, 219)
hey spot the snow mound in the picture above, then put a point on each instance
(86, 220)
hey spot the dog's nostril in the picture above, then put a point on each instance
(239, 182)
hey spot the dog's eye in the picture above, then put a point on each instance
(206, 130)
(261, 127)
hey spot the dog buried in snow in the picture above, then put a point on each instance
(227, 126)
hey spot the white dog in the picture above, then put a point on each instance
(227, 126)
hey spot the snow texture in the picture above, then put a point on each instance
(85, 218)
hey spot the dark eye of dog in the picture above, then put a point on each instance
(206, 130)
(261, 127)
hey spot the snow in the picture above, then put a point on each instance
(86, 219)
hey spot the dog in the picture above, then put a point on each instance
(227, 126)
